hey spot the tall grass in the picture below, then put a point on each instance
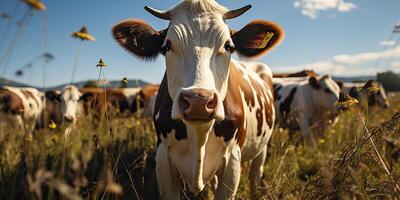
(89, 164)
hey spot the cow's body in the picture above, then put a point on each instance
(241, 136)
(22, 105)
(303, 104)
(374, 99)
(211, 112)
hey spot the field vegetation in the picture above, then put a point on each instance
(358, 158)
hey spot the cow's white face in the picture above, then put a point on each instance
(70, 102)
(327, 92)
(198, 57)
(197, 46)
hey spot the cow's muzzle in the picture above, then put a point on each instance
(68, 118)
(198, 104)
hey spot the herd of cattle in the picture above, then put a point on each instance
(302, 100)
(210, 112)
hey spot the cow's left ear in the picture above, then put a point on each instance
(139, 38)
(257, 38)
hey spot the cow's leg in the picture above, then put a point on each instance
(256, 172)
(229, 182)
(306, 133)
(167, 175)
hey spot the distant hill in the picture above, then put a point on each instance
(111, 84)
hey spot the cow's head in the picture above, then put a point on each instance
(197, 46)
(379, 98)
(70, 103)
(326, 90)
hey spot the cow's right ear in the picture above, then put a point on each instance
(139, 38)
(314, 83)
(53, 96)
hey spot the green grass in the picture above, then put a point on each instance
(99, 163)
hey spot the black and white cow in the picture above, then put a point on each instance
(303, 102)
(211, 112)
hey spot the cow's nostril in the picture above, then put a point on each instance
(212, 103)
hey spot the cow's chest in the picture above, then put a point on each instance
(183, 151)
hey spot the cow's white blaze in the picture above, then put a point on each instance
(70, 102)
(197, 58)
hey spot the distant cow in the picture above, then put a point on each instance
(304, 102)
(21, 105)
(211, 112)
(304, 73)
(145, 100)
(374, 99)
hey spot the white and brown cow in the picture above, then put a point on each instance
(23, 106)
(211, 112)
(305, 102)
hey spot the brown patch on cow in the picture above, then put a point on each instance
(163, 108)
(304, 73)
(142, 99)
(96, 100)
(29, 95)
(10, 103)
(234, 110)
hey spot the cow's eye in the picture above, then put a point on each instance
(327, 90)
(166, 47)
(229, 46)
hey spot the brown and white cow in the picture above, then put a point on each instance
(21, 105)
(211, 112)
(304, 73)
(144, 101)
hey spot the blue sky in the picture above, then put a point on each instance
(339, 37)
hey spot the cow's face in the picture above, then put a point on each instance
(70, 102)
(327, 91)
(197, 46)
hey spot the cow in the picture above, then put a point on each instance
(211, 112)
(22, 105)
(144, 100)
(374, 99)
(305, 102)
(304, 73)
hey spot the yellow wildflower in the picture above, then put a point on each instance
(83, 35)
(36, 4)
(101, 63)
(124, 81)
(346, 100)
(52, 125)
(321, 141)
(370, 87)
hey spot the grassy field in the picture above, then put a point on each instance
(350, 161)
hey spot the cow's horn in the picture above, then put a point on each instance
(236, 13)
(158, 13)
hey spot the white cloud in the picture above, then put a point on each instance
(395, 65)
(311, 8)
(350, 65)
(387, 43)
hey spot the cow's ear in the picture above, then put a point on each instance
(86, 97)
(314, 83)
(257, 38)
(139, 38)
(53, 96)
